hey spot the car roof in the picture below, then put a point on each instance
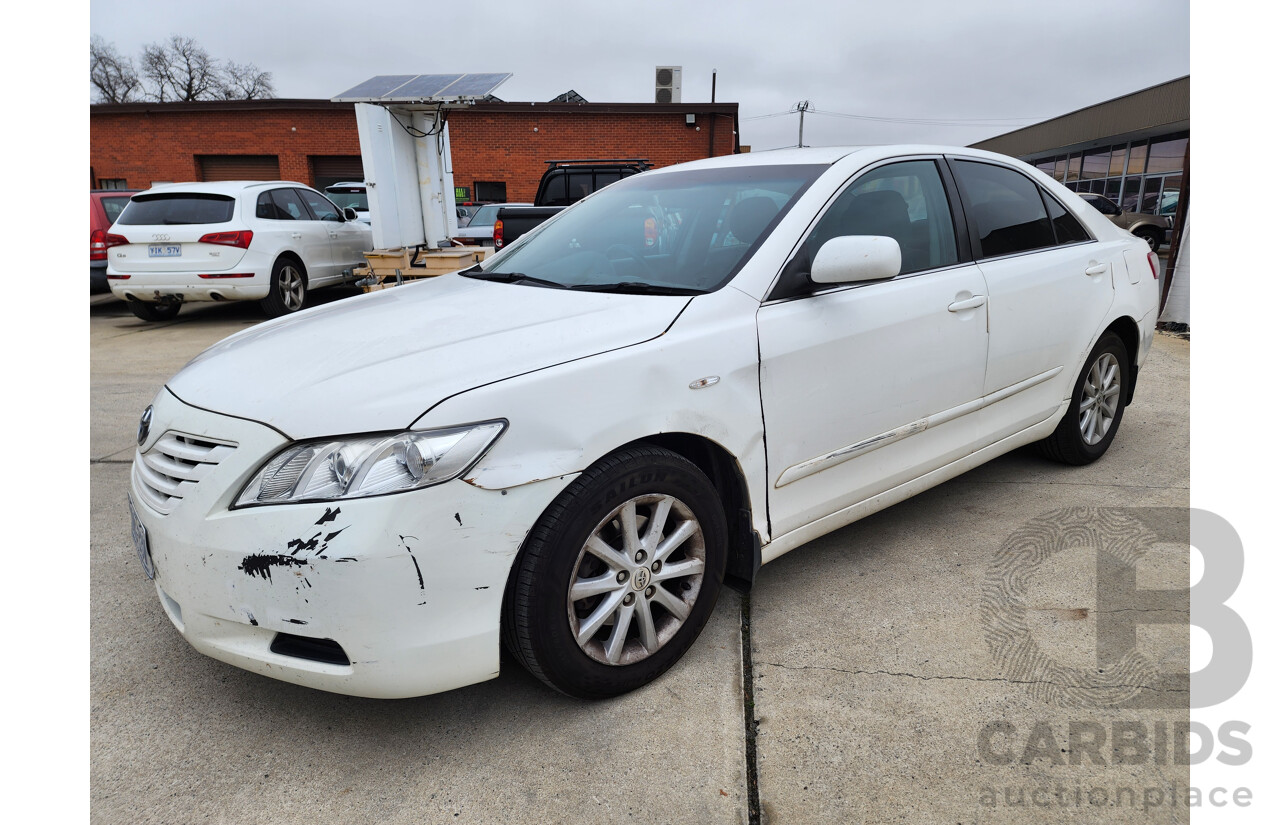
(831, 154)
(223, 187)
(358, 183)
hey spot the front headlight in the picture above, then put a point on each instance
(328, 469)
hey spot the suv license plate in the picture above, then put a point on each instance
(139, 532)
(168, 250)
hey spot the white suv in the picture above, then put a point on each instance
(267, 241)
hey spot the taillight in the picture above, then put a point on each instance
(497, 234)
(100, 241)
(240, 239)
(1154, 260)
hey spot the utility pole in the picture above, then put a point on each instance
(802, 107)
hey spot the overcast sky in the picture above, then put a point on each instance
(976, 69)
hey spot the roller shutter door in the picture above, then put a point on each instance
(239, 167)
(331, 169)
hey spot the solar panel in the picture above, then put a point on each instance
(424, 87)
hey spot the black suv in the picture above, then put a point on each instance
(568, 181)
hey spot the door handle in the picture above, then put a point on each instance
(969, 303)
(333, 234)
(1096, 269)
(296, 235)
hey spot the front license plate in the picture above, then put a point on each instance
(165, 250)
(140, 542)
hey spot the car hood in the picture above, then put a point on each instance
(379, 361)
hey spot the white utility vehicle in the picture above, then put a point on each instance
(267, 241)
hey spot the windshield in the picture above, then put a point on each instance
(343, 198)
(485, 216)
(680, 231)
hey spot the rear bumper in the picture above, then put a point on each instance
(190, 287)
(159, 286)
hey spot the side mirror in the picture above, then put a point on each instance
(854, 258)
(349, 214)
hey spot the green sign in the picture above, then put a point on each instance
(462, 193)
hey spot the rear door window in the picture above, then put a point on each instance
(289, 207)
(177, 208)
(1005, 207)
(1066, 228)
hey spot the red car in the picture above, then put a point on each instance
(105, 206)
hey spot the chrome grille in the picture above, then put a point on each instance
(167, 473)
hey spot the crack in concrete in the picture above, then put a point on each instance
(927, 678)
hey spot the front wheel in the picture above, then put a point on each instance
(618, 577)
(1097, 405)
(288, 289)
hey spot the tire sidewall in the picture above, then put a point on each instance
(556, 651)
(274, 304)
(1108, 343)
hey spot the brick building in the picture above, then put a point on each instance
(499, 149)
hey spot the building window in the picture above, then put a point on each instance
(491, 191)
(113, 183)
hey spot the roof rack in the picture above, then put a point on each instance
(642, 162)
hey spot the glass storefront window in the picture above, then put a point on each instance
(1046, 166)
(1073, 168)
(1060, 168)
(1117, 161)
(1113, 189)
(1095, 164)
(1138, 158)
(1129, 200)
(1166, 156)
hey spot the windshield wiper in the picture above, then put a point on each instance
(638, 288)
(509, 278)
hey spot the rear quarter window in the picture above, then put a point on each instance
(173, 209)
(113, 207)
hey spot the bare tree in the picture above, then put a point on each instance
(177, 70)
(113, 76)
(180, 70)
(244, 82)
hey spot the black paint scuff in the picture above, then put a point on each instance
(329, 515)
(260, 564)
(422, 585)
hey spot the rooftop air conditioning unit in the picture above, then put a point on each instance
(667, 84)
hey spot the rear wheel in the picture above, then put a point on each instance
(1151, 235)
(288, 289)
(148, 311)
(1097, 405)
(618, 577)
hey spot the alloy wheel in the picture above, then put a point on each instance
(1099, 398)
(636, 579)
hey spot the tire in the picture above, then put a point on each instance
(1151, 236)
(155, 311)
(581, 541)
(1083, 434)
(288, 289)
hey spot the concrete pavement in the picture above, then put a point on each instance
(874, 688)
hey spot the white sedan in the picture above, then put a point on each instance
(270, 242)
(570, 447)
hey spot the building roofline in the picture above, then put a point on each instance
(1049, 121)
(504, 107)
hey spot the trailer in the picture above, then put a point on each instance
(402, 121)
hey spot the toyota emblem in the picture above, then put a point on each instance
(144, 426)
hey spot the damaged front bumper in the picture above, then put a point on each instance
(387, 597)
